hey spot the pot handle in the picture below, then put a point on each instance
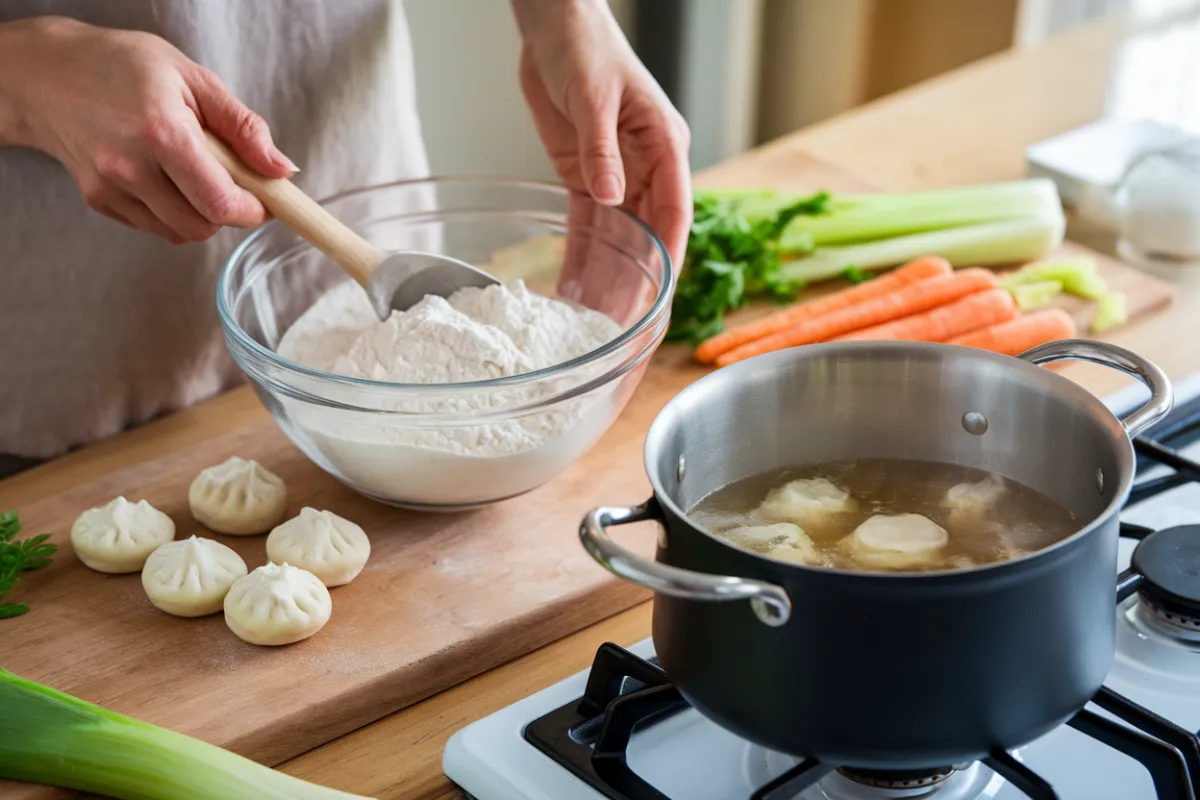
(1162, 398)
(771, 603)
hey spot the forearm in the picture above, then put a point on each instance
(19, 45)
(535, 17)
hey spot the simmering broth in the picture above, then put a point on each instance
(884, 515)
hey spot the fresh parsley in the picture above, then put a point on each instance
(730, 259)
(17, 557)
(856, 275)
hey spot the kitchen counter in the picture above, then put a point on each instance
(968, 126)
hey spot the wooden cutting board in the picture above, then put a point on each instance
(443, 598)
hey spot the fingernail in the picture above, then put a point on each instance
(280, 160)
(607, 189)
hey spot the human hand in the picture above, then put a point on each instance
(608, 127)
(124, 112)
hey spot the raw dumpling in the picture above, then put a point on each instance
(277, 604)
(238, 497)
(190, 577)
(974, 499)
(897, 542)
(330, 547)
(120, 536)
(804, 500)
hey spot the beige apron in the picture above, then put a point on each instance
(101, 326)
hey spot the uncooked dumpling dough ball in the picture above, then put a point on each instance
(807, 500)
(330, 547)
(277, 604)
(190, 577)
(897, 542)
(239, 497)
(120, 536)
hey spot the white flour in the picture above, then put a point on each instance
(478, 334)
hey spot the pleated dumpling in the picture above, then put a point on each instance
(190, 577)
(120, 536)
(277, 604)
(330, 547)
(238, 496)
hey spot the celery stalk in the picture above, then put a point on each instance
(50, 737)
(989, 243)
(867, 218)
(860, 218)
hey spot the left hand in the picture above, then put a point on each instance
(607, 126)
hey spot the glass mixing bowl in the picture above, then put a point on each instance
(452, 446)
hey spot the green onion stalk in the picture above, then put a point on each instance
(52, 738)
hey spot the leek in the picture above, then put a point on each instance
(50, 737)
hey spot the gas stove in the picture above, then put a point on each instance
(620, 731)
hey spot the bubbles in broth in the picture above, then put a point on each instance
(884, 515)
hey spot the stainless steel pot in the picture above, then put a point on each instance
(887, 670)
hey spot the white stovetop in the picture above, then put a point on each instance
(689, 758)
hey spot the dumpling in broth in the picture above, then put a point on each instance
(968, 501)
(807, 500)
(757, 537)
(902, 541)
(799, 551)
(783, 541)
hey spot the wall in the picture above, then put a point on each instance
(813, 62)
(472, 112)
(821, 58)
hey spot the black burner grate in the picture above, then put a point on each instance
(635, 693)
(625, 693)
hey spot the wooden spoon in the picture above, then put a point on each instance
(394, 281)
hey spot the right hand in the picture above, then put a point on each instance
(124, 112)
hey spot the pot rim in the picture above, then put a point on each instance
(1056, 382)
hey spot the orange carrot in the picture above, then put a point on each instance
(1018, 335)
(945, 322)
(913, 299)
(918, 269)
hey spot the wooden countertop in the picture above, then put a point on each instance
(968, 126)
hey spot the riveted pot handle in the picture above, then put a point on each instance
(770, 603)
(1162, 398)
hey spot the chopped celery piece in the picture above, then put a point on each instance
(1111, 311)
(50, 737)
(1030, 296)
(1078, 276)
(989, 243)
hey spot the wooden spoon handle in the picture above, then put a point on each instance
(302, 214)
